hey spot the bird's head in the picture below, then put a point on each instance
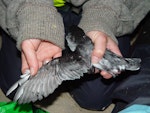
(76, 37)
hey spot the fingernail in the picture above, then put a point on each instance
(27, 71)
(45, 62)
(95, 59)
(32, 71)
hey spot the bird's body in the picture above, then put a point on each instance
(75, 61)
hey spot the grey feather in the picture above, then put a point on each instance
(75, 61)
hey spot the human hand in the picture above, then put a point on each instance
(36, 52)
(101, 42)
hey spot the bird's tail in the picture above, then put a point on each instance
(133, 64)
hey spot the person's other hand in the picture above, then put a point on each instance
(36, 52)
(101, 42)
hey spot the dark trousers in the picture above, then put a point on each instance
(91, 92)
(135, 88)
(10, 63)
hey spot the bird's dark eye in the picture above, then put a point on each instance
(84, 37)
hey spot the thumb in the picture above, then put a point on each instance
(100, 42)
(98, 51)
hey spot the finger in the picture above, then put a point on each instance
(40, 64)
(112, 45)
(29, 48)
(44, 51)
(59, 54)
(31, 59)
(46, 61)
(47, 51)
(24, 64)
(106, 75)
(32, 62)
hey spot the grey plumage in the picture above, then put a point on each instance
(75, 61)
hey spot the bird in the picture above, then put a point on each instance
(73, 64)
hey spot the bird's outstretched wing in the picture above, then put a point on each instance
(48, 78)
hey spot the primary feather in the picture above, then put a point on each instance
(75, 61)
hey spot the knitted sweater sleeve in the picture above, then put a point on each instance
(113, 17)
(34, 19)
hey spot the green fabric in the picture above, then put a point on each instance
(13, 107)
(59, 3)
